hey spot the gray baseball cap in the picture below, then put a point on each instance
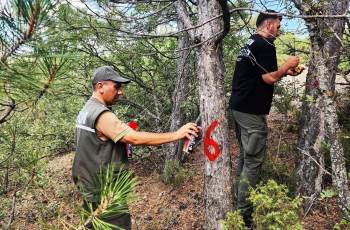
(107, 73)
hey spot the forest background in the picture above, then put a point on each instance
(49, 50)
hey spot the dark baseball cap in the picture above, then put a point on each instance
(107, 73)
(265, 15)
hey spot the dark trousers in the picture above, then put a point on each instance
(251, 132)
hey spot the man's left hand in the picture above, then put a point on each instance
(295, 71)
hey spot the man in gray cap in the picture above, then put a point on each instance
(101, 136)
(255, 74)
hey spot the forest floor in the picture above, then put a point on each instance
(54, 202)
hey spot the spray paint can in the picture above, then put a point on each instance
(190, 143)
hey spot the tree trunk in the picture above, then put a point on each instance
(217, 174)
(180, 94)
(211, 72)
(319, 134)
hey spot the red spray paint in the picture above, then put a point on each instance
(208, 141)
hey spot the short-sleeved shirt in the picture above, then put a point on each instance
(92, 153)
(250, 94)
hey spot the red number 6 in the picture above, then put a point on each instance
(210, 142)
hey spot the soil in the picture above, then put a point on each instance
(163, 206)
(52, 202)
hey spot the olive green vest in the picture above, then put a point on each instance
(91, 152)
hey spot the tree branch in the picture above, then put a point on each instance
(7, 113)
(292, 15)
(26, 35)
(52, 75)
(137, 1)
(226, 19)
(298, 4)
(128, 102)
(314, 160)
(185, 18)
(132, 19)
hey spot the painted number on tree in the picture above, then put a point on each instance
(211, 147)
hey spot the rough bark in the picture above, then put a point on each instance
(180, 94)
(211, 73)
(319, 126)
(217, 174)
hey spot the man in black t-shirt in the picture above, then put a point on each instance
(255, 73)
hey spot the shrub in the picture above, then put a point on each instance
(273, 208)
(343, 224)
(281, 173)
(284, 97)
(174, 173)
(234, 221)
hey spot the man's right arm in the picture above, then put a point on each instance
(148, 138)
(272, 77)
(112, 128)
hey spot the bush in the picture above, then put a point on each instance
(281, 173)
(343, 224)
(174, 174)
(33, 135)
(273, 209)
(286, 98)
(234, 221)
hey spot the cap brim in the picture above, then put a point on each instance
(121, 80)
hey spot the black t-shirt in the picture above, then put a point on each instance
(250, 94)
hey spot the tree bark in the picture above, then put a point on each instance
(319, 133)
(217, 174)
(180, 94)
(211, 73)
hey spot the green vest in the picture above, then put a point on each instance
(91, 152)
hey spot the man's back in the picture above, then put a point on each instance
(250, 94)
